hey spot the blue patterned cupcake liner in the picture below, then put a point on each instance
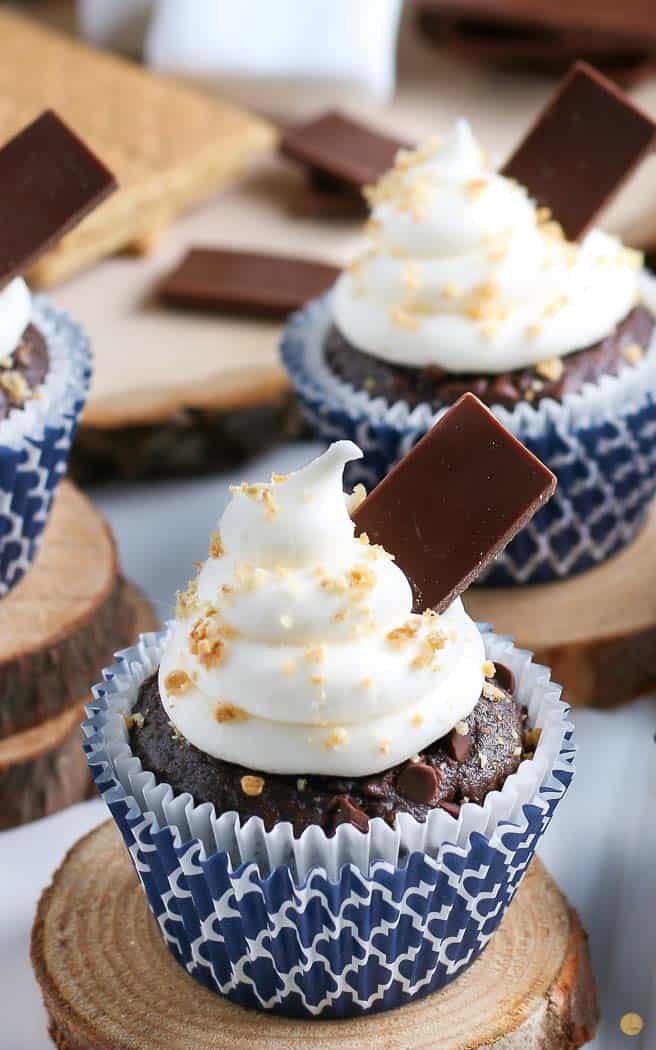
(601, 444)
(35, 441)
(316, 926)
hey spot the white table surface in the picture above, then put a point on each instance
(601, 847)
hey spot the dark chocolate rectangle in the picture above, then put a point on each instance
(583, 146)
(454, 502)
(49, 180)
(246, 282)
(336, 145)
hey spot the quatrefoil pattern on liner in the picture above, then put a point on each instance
(606, 471)
(368, 939)
(31, 468)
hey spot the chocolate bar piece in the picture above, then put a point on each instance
(49, 180)
(582, 147)
(522, 37)
(338, 147)
(454, 502)
(246, 282)
(627, 25)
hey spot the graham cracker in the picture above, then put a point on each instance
(168, 145)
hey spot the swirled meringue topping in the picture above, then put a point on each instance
(462, 271)
(15, 309)
(295, 650)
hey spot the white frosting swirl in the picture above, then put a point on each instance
(296, 651)
(463, 272)
(15, 310)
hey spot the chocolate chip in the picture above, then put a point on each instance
(503, 391)
(343, 811)
(504, 678)
(419, 783)
(458, 746)
(450, 807)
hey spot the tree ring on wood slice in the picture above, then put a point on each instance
(110, 983)
(65, 619)
(596, 631)
(43, 768)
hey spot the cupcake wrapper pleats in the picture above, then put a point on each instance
(35, 442)
(317, 926)
(601, 444)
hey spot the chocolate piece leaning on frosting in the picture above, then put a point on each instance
(583, 146)
(49, 180)
(454, 502)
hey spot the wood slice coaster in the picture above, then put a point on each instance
(109, 982)
(43, 768)
(62, 623)
(596, 631)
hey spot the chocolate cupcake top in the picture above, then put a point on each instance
(462, 270)
(296, 650)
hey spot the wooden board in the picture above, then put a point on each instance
(109, 982)
(596, 631)
(43, 768)
(153, 363)
(62, 623)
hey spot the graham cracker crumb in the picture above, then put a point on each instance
(216, 547)
(403, 318)
(252, 785)
(316, 654)
(492, 692)
(186, 602)
(551, 369)
(207, 639)
(177, 682)
(134, 721)
(633, 353)
(228, 712)
(15, 385)
(357, 497)
(631, 1024)
(337, 738)
(489, 670)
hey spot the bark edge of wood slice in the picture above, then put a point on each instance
(596, 631)
(65, 619)
(43, 769)
(107, 978)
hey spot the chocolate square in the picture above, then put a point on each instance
(454, 502)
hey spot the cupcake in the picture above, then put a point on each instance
(330, 799)
(466, 285)
(45, 371)
(48, 181)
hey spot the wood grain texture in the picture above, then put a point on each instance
(596, 631)
(109, 982)
(43, 768)
(62, 623)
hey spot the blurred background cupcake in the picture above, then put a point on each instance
(467, 285)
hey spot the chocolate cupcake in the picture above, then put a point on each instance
(467, 285)
(329, 797)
